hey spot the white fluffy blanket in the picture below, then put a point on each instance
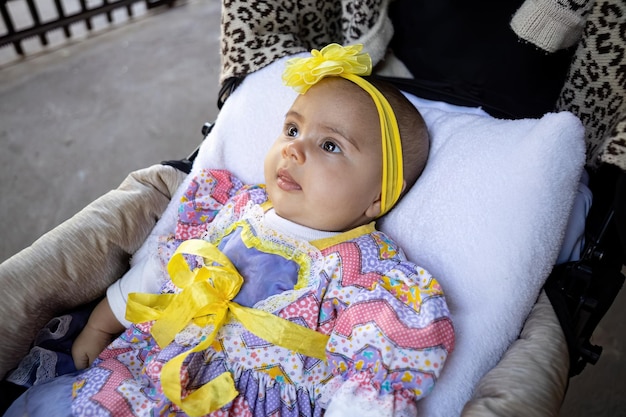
(487, 216)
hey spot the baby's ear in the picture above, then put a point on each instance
(373, 211)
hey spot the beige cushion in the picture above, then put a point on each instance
(531, 378)
(75, 263)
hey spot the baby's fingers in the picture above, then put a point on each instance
(81, 358)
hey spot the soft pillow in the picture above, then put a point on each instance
(486, 217)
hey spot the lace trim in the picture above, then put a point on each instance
(356, 396)
(256, 233)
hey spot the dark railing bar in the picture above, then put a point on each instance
(15, 37)
(109, 14)
(6, 16)
(66, 28)
(36, 20)
(84, 9)
(151, 4)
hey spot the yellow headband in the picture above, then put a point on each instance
(349, 63)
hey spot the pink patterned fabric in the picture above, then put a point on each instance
(387, 319)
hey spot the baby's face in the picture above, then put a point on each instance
(324, 171)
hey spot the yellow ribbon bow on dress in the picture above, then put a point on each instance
(350, 63)
(206, 299)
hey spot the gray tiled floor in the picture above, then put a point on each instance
(76, 119)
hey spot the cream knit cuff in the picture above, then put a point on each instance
(547, 24)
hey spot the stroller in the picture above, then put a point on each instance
(151, 189)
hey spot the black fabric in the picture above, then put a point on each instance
(226, 89)
(608, 185)
(10, 392)
(465, 53)
(183, 165)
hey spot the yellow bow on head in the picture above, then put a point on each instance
(350, 63)
(334, 59)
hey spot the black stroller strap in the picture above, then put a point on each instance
(227, 89)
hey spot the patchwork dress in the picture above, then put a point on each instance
(388, 325)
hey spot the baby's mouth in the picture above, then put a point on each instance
(285, 181)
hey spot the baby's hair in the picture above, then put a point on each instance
(413, 131)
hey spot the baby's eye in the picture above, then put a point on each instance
(291, 131)
(329, 146)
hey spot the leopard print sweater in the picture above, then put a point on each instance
(595, 89)
(254, 33)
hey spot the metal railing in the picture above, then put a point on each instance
(61, 19)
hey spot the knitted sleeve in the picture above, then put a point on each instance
(551, 24)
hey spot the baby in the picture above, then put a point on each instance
(282, 298)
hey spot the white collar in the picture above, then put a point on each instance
(294, 229)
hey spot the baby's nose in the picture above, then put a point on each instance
(295, 150)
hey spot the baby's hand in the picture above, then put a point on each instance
(102, 327)
(88, 345)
